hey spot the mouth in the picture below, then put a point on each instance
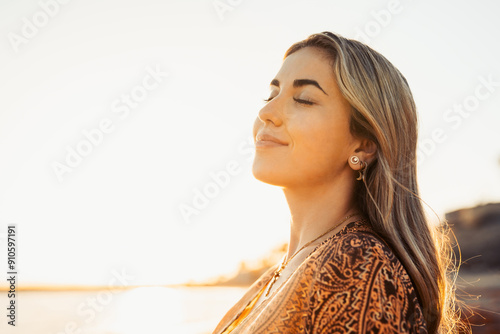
(268, 143)
(266, 140)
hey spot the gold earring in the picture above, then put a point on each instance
(355, 160)
(361, 176)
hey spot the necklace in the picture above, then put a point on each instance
(278, 271)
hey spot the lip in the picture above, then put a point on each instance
(266, 140)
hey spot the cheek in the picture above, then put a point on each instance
(321, 152)
(322, 142)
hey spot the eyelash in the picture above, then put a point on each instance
(300, 101)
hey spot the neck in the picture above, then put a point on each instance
(315, 209)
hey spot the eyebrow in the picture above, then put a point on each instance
(300, 83)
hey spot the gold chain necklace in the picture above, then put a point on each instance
(278, 271)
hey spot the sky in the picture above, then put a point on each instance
(125, 126)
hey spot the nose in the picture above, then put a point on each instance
(270, 113)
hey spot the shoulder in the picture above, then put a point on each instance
(356, 258)
(358, 281)
(357, 245)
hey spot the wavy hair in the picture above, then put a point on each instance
(383, 111)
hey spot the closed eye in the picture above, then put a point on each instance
(301, 101)
(306, 102)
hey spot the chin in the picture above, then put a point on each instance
(269, 174)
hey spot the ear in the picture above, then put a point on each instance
(366, 150)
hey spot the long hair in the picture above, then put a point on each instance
(383, 111)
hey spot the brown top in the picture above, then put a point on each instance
(351, 283)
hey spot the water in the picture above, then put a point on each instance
(185, 310)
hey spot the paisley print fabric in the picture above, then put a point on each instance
(350, 283)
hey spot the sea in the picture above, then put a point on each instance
(176, 310)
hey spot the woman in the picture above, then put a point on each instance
(338, 134)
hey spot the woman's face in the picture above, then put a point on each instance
(308, 114)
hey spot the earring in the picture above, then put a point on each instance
(355, 160)
(361, 176)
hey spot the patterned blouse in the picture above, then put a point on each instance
(351, 283)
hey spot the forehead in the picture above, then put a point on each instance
(307, 63)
